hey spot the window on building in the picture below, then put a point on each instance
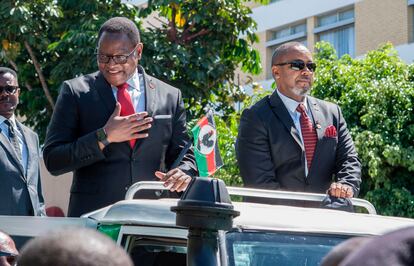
(338, 29)
(289, 31)
(295, 32)
(411, 13)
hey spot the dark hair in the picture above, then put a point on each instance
(283, 49)
(73, 247)
(121, 25)
(4, 70)
(339, 252)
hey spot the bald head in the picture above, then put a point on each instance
(7, 244)
(8, 250)
(284, 49)
(73, 247)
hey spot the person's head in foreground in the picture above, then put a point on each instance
(73, 247)
(8, 251)
(392, 249)
(341, 251)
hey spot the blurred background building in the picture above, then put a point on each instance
(353, 27)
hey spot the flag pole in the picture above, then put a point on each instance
(181, 155)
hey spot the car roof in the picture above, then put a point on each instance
(255, 216)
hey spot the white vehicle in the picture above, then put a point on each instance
(262, 234)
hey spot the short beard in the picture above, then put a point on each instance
(300, 91)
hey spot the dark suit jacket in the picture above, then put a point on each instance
(271, 155)
(20, 192)
(102, 177)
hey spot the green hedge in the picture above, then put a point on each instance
(376, 94)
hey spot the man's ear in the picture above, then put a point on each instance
(275, 72)
(138, 51)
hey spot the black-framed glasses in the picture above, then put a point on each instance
(299, 65)
(8, 89)
(118, 59)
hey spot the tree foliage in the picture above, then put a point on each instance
(376, 94)
(197, 48)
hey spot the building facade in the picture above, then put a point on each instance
(353, 27)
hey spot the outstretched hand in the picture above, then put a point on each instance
(176, 179)
(124, 128)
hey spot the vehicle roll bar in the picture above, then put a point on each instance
(254, 192)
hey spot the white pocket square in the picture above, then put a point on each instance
(162, 116)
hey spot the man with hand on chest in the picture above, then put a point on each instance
(118, 126)
(20, 189)
(292, 141)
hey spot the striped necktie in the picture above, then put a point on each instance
(308, 134)
(126, 105)
(13, 139)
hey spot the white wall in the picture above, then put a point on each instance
(55, 188)
(406, 52)
(287, 11)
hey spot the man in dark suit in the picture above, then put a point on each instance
(20, 189)
(118, 126)
(292, 141)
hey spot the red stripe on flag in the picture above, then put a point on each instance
(203, 121)
(211, 162)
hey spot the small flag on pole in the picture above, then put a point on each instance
(205, 146)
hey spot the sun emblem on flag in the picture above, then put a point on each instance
(206, 139)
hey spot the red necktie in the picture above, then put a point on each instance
(308, 134)
(126, 104)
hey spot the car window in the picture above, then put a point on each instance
(259, 248)
(157, 251)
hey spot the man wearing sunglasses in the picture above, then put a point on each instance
(292, 141)
(118, 126)
(20, 189)
(8, 250)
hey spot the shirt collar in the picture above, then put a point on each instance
(291, 104)
(12, 119)
(133, 82)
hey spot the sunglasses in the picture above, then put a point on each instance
(299, 65)
(10, 257)
(8, 89)
(118, 59)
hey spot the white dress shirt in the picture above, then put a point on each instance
(291, 106)
(136, 90)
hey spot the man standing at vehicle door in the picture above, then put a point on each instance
(20, 189)
(117, 126)
(292, 141)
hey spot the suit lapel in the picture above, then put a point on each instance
(105, 92)
(8, 147)
(317, 116)
(31, 148)
(279, 109)
(149, 87)
(319, 122)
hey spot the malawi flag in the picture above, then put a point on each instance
(206, 147)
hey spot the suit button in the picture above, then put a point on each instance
(126, 188)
